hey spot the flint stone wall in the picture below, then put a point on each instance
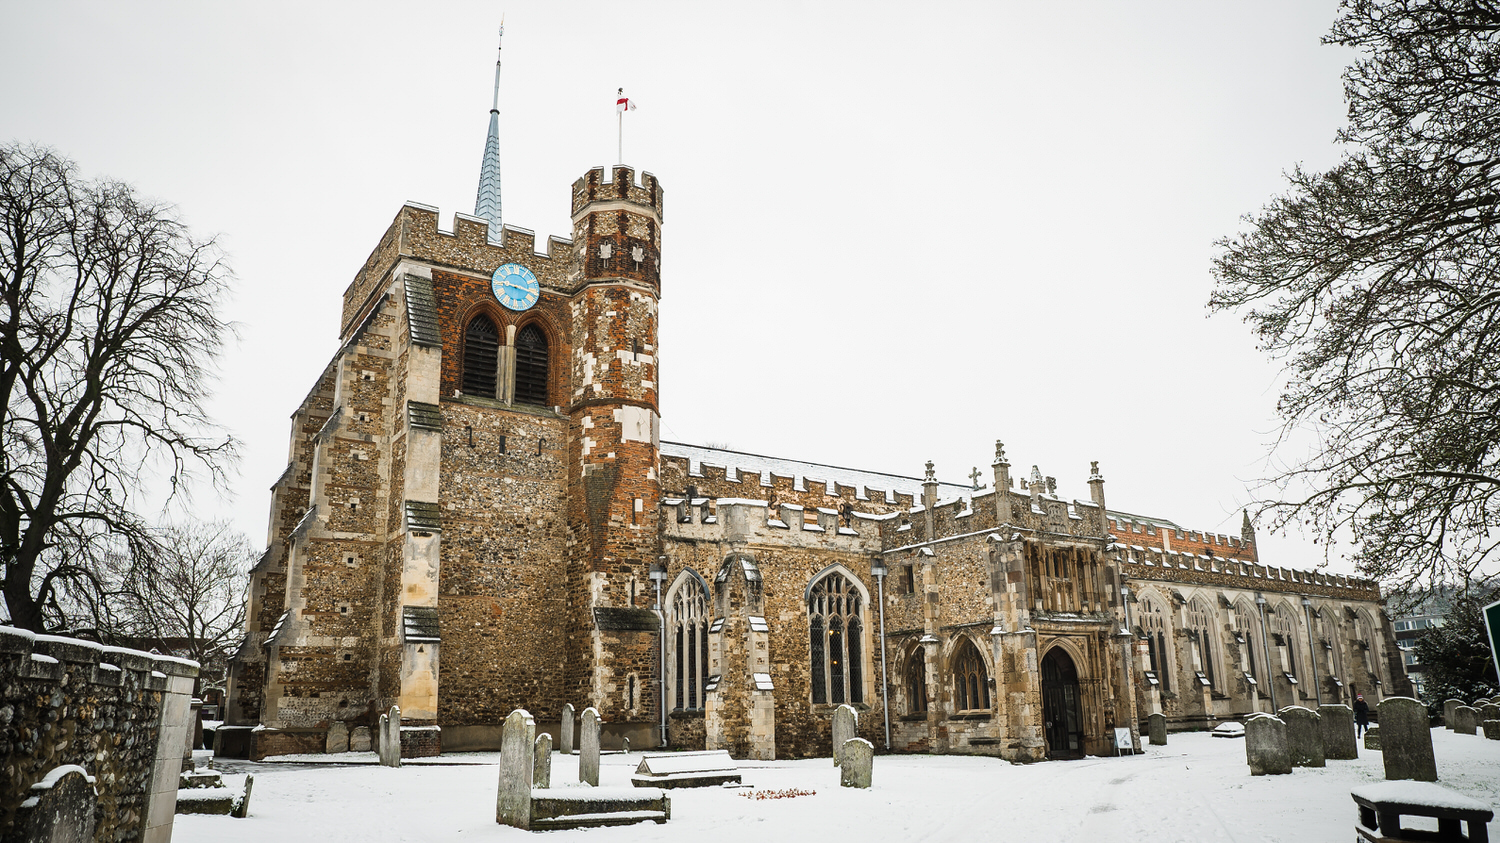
(121, 715)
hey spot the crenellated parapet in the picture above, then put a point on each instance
(1170, 565)
(620, 186)
(730, 481)
(415, 233)
(1154, 533)
(752, 521)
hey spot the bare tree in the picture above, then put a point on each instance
(1376, 283)
(108, 326)
(187, 598)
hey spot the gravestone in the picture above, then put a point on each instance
(858, 757)
(1372, 738)
(513, 798)
(1406, 740)
(565, 733)
(242, 808)
(1265, 746)
(1157, 725)
(1492, 729)
(541, 765)
(1449, 706)
(359, 739)
(625, 745)
(588, 748)
(845, 728)
(1489, 711)
(1340, 743)
(59, 808)
(1304, 736)
(338, 737)
(1465, 720)
(389, 739)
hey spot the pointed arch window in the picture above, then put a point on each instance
(688, 638)
(1154, 626)
(836, 645)
(531, 366)
(916, 682)
(1244, 627)
(481, 356)
(971, 680)
(1201, 634)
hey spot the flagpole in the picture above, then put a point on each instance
(620, 137)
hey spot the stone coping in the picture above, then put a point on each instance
(78, 651)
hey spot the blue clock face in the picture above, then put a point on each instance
(515, 286)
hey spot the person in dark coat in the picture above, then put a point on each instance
(1361, 715)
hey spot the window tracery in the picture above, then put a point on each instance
(688, 637)
(836, 640)
(971, 680)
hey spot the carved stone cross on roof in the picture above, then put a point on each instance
(974, 476)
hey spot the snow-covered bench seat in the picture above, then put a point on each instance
(686, 769)
(589, 807)
(1381, 806)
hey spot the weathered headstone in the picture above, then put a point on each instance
(1265, 746)
(565, 733)
(588, 748)
(1492, 729)
(1489, 711)
(1340, 743)
(60, 808)
(1449, 706)
(625, 744)
(1465, 720)
(1406, 740)
(1372, 738)
(1304, 736)
(390, 738)
(513, 798)
(359, 739)
(242, 808)
(858, 757)
(541, 765)
(1157, 725)
(845, 728)
(338, 737)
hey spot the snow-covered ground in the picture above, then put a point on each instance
(1197, 788)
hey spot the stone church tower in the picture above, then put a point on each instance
(468, 513)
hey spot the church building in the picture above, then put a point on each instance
(478, 514)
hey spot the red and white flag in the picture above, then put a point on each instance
(624, 103)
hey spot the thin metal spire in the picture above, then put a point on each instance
(487, 200)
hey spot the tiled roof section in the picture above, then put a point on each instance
(625, 620)
(421, 515)
(424, 416)
(697, 455)
(421, 312)
(419, 623)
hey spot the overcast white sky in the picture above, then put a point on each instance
(893, 232)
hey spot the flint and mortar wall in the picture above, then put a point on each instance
(122, 715)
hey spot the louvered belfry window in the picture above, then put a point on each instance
(481, 355)
(531, 366)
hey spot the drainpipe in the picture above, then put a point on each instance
(879, 569)
(659, 576)
(1265, 646)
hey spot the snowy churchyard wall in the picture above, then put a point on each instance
(119, 715)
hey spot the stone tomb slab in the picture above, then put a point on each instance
(706, 768)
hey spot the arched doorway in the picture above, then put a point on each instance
(1060, 706)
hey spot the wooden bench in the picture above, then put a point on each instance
(1381, 806)
(686, 769)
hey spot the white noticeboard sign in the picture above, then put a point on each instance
(1123, 740)
(1492, 627)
